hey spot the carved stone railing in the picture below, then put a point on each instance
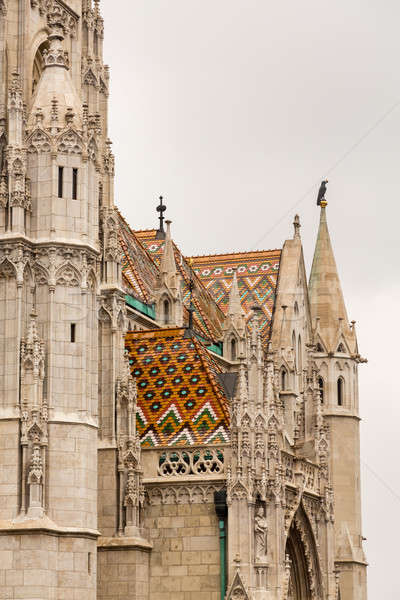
(309, 472)
(201, 461)
(195, 462)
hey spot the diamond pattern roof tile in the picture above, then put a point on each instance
(180, 401)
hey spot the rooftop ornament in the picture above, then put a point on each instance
(161, 208)
(321, 194)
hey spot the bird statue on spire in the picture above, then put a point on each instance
(321, 193)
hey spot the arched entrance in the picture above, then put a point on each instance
(301, 553)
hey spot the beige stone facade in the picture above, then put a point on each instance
(269, 507)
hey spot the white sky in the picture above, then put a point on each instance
(233, 110)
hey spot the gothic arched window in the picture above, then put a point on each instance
(233, 349)
(299, 354)
(321, 389)
(38, 65)
(283, 379)
(166, 312)
(340, 391)
(294, 349)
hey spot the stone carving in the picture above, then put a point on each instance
(39, 142)
(68, 275)
(7, 270)
(260, 534)
(201, 461)
(237, 590)
(57, 13)
(286, 591)
(197, 493)
(69, 143)
(34, 417)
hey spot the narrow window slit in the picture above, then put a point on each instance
(74, 184)
(60, 181)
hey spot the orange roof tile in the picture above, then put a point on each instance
(180, 401)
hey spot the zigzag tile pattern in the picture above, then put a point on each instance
(180, 401)
(257, 274)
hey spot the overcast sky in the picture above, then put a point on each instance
(234, 110)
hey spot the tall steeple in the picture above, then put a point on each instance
(326, 296)
(337, 361)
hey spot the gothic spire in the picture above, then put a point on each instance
(326, 296)
(168, 264)
(235, 310)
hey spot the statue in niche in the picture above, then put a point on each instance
(260, 533)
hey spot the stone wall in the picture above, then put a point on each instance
(46, 567)
(185, 560)
(123, 574)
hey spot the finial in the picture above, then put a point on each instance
(321, 194)
(161, 208)
(54, 109)
(69, 116)
(296, 225)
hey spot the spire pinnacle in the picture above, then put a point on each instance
(235, 314)
(326, 296)
(235, 307)
(296, 225)
(168, 265)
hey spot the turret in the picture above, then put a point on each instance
(337, 358)
(168, 298)
(235, 324)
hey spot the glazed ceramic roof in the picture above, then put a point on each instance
(140, 274)
(180, 401)
(257, 275)
(208, 317)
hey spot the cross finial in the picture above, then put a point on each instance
(161, 208)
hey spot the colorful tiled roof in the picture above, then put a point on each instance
(139, 271)
(208, 317)
(180, 401)
(257, 274)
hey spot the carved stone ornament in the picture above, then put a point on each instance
(68, 275)
(260, 533)
(237, 591)
(197, 493)
(57, 14)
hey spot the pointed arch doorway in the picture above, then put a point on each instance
(305, 577)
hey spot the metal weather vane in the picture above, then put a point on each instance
(161, 208)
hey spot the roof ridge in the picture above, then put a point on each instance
(235, 253)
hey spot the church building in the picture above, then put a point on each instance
(171, 427)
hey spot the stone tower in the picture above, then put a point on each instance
(58, 253)
(337, 357)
